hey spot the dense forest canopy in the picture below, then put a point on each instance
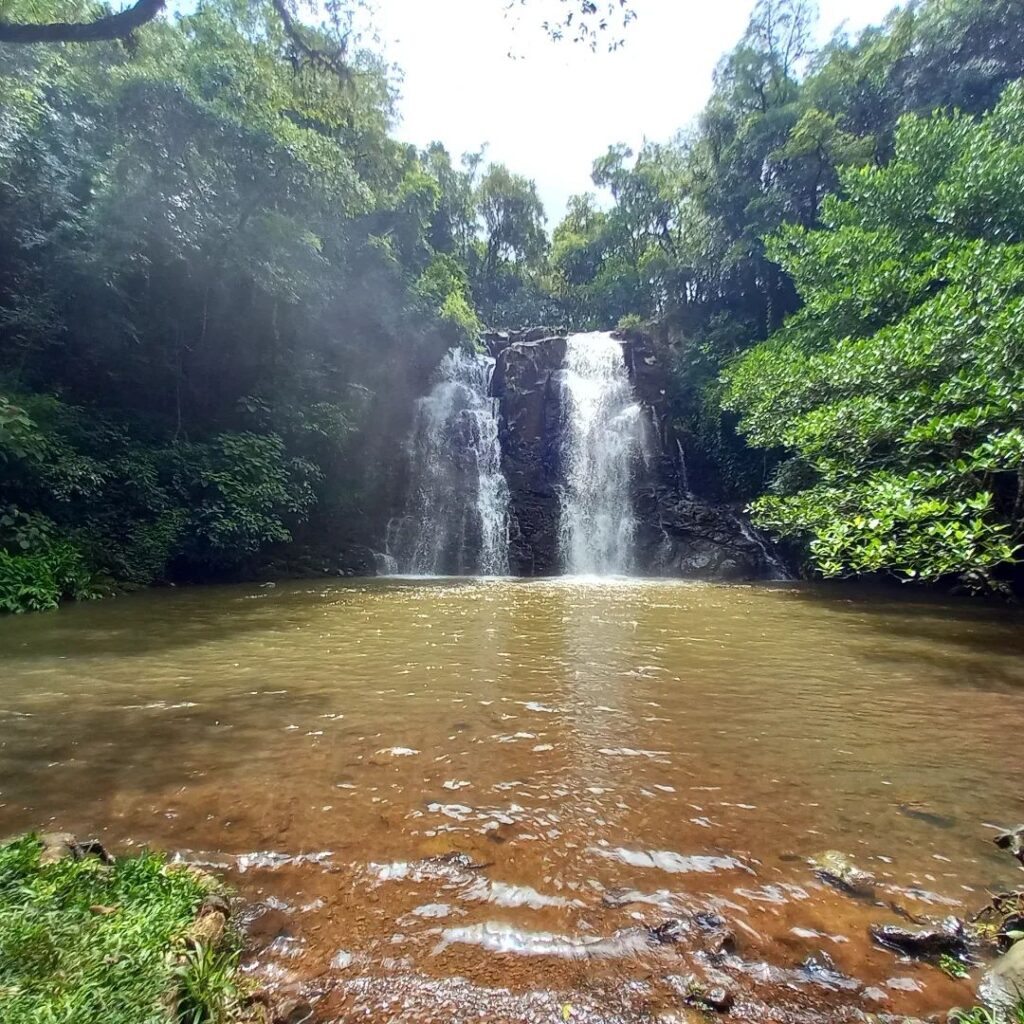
(221, 275)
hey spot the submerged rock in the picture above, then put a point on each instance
(718, 938)
(457, 859)
(948, 938)
(700, 995)
(293, 1010)
(719, 998)
(669, 931)
(821, 969)
(838, 870)
(920, 812)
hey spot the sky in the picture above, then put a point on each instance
(553, 107)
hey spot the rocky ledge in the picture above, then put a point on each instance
(678, 532)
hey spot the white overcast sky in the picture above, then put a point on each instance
(555, 107)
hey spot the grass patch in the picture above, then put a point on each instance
(979, 1015)
(82, 941)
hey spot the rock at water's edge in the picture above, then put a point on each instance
(1002, 985)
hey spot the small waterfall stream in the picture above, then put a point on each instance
(456, 519)
(601, 437)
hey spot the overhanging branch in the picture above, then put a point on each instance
(112, 26)
(332, 60)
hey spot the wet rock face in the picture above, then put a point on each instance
(678, 534)
(527, 384)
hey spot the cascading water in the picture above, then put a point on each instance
(601, 438)
(773, 564)
(456, 519)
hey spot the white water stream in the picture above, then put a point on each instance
(456, 519)
(601, 438)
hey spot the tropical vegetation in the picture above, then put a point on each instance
(222, 280)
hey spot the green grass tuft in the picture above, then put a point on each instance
(979, 1015)
(80, 941)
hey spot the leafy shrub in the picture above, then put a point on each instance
(239, 489)
(899, 387)
(40, 581)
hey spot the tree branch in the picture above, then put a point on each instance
(330, 60)
(111, 26)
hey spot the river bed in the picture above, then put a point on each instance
(478, 799)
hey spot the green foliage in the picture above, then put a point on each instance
(953, 967)
(16, 431)
(40, 581)
(900, 384)
(513, 218)
(508, 266)
(220, 276)
(683, 243)
(82, 941)
(980, 1015)
(445, 285)
(208, 990)
(110, 503)
(217, 273)
(239, 488)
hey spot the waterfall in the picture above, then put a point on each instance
(773, 564)
(456, 517)
(601, 438)
(684, 473)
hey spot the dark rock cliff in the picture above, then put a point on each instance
(678, 532)
(527, 384)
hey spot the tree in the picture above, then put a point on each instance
(581, 20)
(682, 244)
(508, 265)
(108, 26)
(513, 218)
(218, 291)
(898, 389)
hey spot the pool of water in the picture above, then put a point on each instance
(478, 799)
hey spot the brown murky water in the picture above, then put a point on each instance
(473, 800)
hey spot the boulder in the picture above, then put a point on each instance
(206, 931)
(59, 846)
(680, 535)
(1002, 984)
